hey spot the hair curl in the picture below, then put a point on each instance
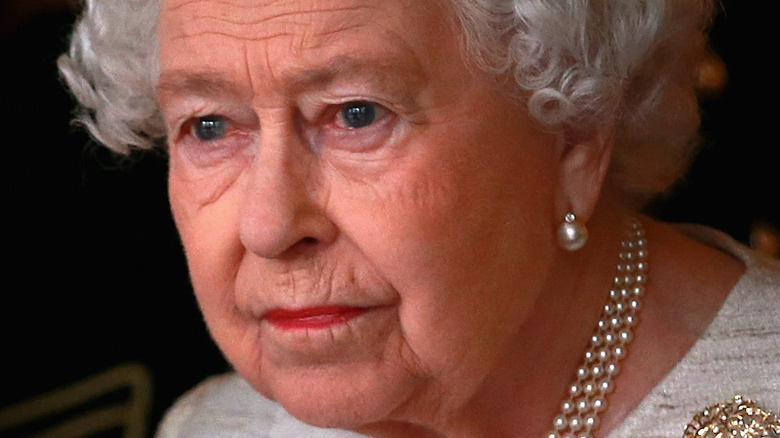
(112, 70)
(627, 66)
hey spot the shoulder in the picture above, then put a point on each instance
(738, 351)
(220, 403)
(736, 355)
(228, 407)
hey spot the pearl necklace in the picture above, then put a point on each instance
(608, 346)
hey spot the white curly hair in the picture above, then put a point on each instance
(628, 66)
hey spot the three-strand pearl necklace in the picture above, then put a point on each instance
(594, 380)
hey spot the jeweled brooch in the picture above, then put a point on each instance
(738, 418)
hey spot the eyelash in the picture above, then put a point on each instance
(337, 134)
(203, 152)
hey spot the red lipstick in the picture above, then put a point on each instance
(312, 317)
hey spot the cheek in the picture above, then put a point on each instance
(464, 209)
(205, 203)
(206, 217)
(209, 233)
(464, 248)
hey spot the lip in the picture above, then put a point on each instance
(312, 317)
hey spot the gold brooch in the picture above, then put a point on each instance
(736, 418)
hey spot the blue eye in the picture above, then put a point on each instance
(209, 128)
(358, 114)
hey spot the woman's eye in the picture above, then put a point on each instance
(209, 128)
(357, 115)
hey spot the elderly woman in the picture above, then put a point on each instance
(419, 218)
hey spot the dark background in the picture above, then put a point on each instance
(94, 271)
(94, 274)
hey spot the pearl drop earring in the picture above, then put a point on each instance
(572, 234)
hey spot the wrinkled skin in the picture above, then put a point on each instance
(436, 218)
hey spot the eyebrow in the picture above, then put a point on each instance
(211, 82)
(386, 70)
(200, 83)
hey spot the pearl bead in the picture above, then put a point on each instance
(567, 407)
(572, 234)
(575, 390)
(583, 405)
(575, 424)
(560, 423)
(599, 404)
(591, 421)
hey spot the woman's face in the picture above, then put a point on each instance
(367, 220)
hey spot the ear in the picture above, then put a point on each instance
(583, 164)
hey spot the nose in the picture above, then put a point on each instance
(283, 210)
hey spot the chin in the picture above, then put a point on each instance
(344, 397)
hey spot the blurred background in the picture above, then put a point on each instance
(99, 330)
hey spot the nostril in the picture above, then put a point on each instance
(302, 248)
(308, 241)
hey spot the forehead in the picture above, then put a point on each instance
(284, 36)
(261, 20)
